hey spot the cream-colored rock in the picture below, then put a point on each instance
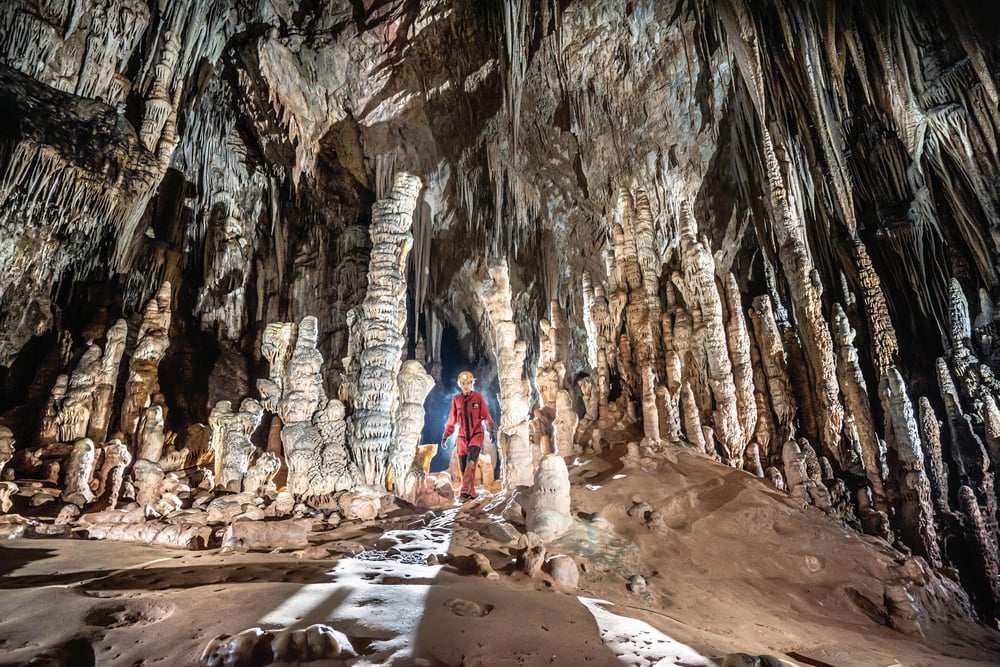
(79, 470)
(548, 514)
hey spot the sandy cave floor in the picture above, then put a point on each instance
(736, 567)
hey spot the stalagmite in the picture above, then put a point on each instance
(902, 435)
(79, 470)
(773, 360)
(148, 482)
(384, 317)
(857, 407)
(692, 424)
(984, 545)
(937, 469)
(116, 460)
(792, 249)
(740, 356)
(548, 513)
(230, 442)
(413, 384)
(514, 395)
(6, 447)
(150, 436)
(259, 477)
(699, 287)
(565, 424)
(74, 413)
(314, 433)
(885, 347)
(107, 379)
(153, 340)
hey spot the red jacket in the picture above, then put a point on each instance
(468, 412)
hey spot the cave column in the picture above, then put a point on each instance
(383, 317)
(515, 403)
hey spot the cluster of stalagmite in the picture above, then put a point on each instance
(313, 433)
(514, 439)
(383, 317)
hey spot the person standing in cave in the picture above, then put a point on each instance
(468, 414)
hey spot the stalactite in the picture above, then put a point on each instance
(789, 230)
(902, 435)
(384, 319)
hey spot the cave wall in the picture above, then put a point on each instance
(770, 228)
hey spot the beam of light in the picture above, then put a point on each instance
(378, 595)
(638, 643)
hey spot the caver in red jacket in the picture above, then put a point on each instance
(468, 412)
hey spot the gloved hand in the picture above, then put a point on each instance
(444, 438)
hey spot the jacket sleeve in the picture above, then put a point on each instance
(486, 414)
(452, 417)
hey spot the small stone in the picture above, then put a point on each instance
(564, 572)
(637, 584)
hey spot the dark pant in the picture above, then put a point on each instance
(468, 464)
(472, 456)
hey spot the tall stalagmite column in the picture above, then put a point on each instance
(145, 362)
(902, 434)
(384, 321)
(515, 447)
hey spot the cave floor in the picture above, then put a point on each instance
(716, 583)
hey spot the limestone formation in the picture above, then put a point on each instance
(383, 316)
(509, 353)
(259, 477)
(548, 514)
(106, 381)
(231, 430)
(116, 460)
(153, 340)
(313, 433)
(79, 469)
(857, 407)
(6, 446)
(413, 384)
(902, 435)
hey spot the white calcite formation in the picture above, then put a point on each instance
(79, 470)
(513, 436)
(313, 433)
(106, 381)
(116, 460)
(858, 424)
(230, 443)
(152, 343)
(548, 511)
(259, 478)
(413, 384)
(383, 316)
